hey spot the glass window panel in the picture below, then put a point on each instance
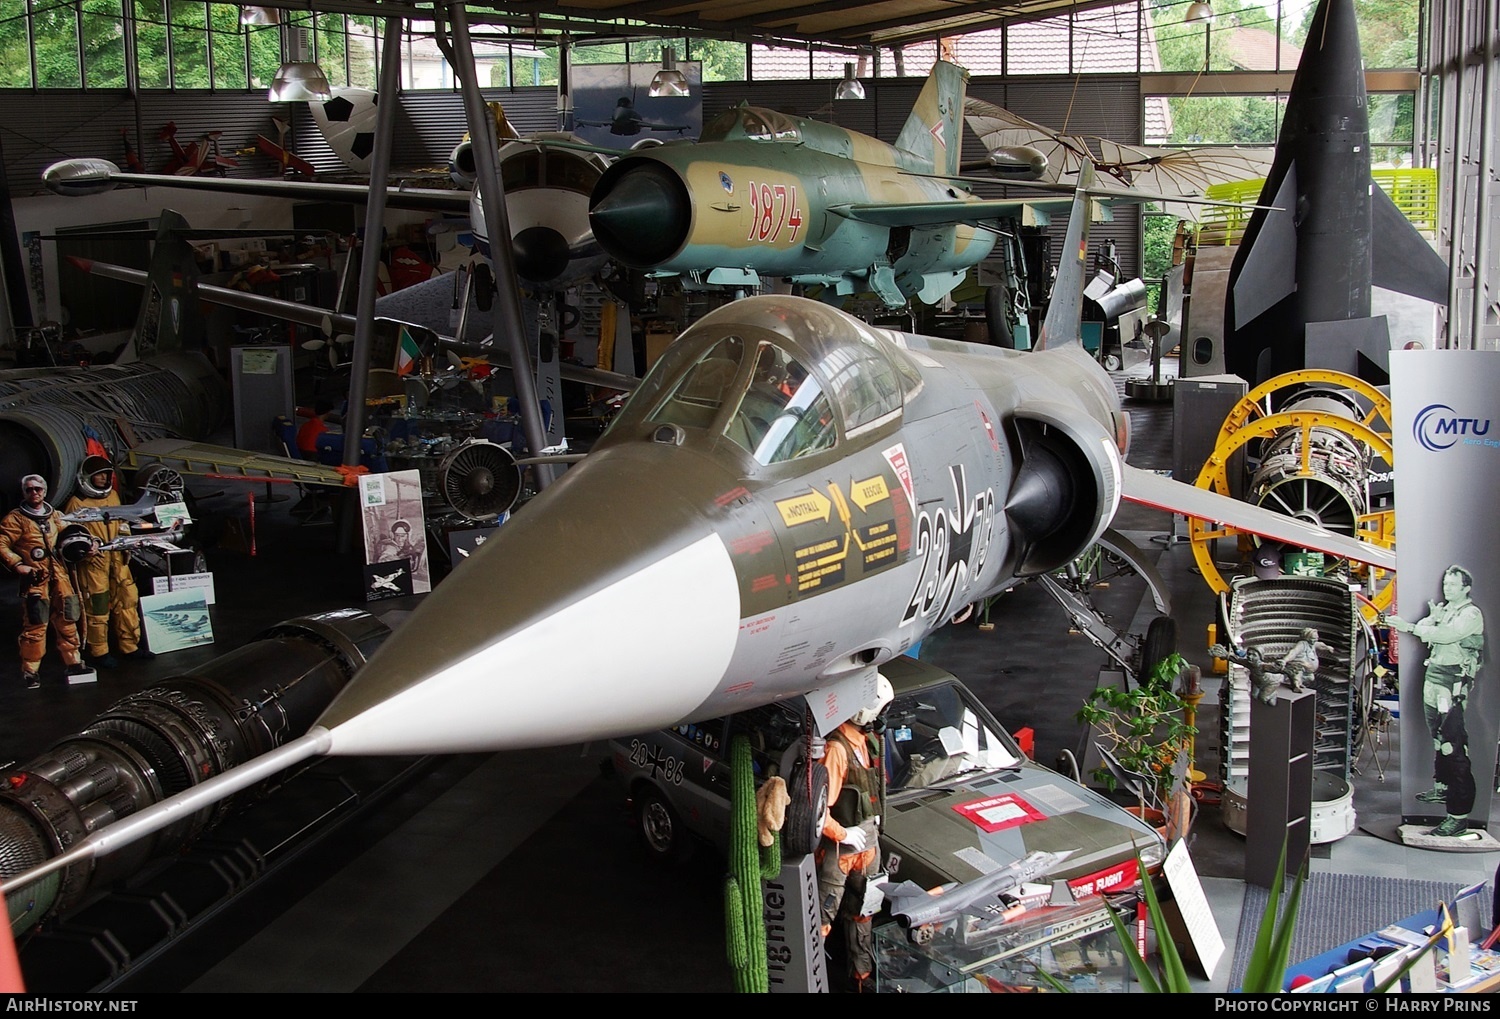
(1391, 129)
(534, 66)
(778, 63)
(830, 64)
(15, 45)
(103, 44)
(360, 41)
(265, 54)
(152, 59)
(1038, 47)
(722, 60)
(609, 53)
(1181, 47)
(492, 61)
(1106, 41)
(331, 46)
(1218, 120)
(189, 44)
(227, 40)
(56, 29)
(1388, 34)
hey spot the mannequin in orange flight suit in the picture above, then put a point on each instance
(28, 547)
(110, 599)
(849, 852)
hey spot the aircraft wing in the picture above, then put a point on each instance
(87, 176)
(1159, 492)
(1163, 169)
(207, 460)
(938, 213)
(332, 322)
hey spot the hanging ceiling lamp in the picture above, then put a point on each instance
(669, 81)
(1199, 12)
(849, 88)
(299, 79)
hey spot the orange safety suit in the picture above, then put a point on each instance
(47, 594)
(104, 582)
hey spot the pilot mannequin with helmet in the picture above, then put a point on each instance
(28, 547)
(849, 851)
(104, 582)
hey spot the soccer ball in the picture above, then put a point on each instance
(347, 123)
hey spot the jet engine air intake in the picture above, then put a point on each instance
(480, 480)
(1064, 493)
(641, 212)
(167, 738)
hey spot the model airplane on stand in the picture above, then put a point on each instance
(790, 499)
(922, 912)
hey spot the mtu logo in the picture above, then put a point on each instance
(1438, 427)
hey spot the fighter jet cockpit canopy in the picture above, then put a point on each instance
(781, 381)
(753, 122)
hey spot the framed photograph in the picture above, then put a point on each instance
(613, 106)
(390, 579)
(176, 620)
(395, 524)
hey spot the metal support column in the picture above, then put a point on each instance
(508, 318)
(369, 262)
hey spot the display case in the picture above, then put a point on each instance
(1074, 945)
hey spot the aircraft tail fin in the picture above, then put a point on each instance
(933, 131)
(1065, 309)
(169, 319)
(1400, 257)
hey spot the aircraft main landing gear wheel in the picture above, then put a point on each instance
(1305, 489)
(808, 788)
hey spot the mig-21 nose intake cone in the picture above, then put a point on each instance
(640, 215)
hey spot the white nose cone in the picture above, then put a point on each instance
(639, 654)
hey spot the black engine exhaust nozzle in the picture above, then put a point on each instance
(175, 734)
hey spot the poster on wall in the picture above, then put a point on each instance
(1447, 454)
(391, 508)
(613, 106)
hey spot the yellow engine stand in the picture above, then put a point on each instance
(1250, 420)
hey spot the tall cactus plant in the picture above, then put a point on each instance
(749, 864)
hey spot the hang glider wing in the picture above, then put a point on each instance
(998, 128)
(1163, 170)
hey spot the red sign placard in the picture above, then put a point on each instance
(997, 813)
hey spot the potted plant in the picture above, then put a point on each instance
(1145, 731)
